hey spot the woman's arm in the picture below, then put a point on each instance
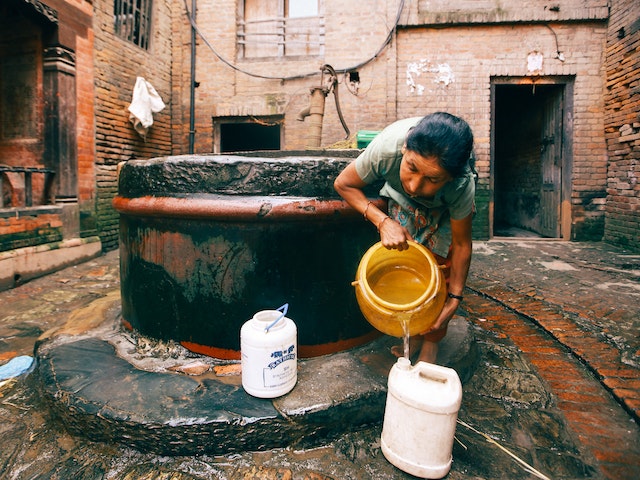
(461, 250)
(349, 185)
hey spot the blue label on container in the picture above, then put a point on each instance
(282, 356)
(280, 372)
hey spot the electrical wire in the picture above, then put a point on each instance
(384, 45)
(559, 54)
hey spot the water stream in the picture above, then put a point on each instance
(405, 321)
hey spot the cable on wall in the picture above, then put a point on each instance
(559, 54)
(386, 42)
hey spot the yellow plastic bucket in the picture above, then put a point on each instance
(394, 286)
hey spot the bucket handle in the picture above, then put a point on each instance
(284, 308)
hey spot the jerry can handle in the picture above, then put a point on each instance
(424, 372)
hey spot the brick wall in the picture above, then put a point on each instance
(224, 91)
(457, 48)
(451, 69)
(181, 78)
(492, 11)
(622, 125)
(117, 65)
(27, 227)
(85, 125)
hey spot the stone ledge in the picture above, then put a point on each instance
(24, 264)
(102, 395)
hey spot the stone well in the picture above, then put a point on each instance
(206, 241)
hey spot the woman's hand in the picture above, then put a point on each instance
(393, 235)
(349, 185)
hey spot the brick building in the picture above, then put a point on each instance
(47, 217)
(550, 90)
(124, 52)
(622, 124)
(529, 80)
(64, 94)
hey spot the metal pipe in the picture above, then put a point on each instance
(316, 113)
(192, 108)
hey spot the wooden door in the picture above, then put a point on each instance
(551, 164)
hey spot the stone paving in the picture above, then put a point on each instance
(582, 302)
(586, 296)
(557, 381)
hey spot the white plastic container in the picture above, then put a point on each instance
(420, 418)
(269, 351)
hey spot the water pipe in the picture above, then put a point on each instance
(315, 110)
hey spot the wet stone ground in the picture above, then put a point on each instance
(504, 401)
(507, 416)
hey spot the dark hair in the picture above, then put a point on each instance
(446, 137)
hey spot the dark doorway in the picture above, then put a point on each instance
(528, 160)
(239, 137)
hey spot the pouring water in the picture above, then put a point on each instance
(405, 321)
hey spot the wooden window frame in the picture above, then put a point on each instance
(132, 21)
(278, 35)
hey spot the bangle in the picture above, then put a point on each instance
(365, 210)
(383, 220)
(457, 297)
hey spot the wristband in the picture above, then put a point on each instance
(457, 297)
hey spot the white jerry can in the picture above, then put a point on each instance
(268, 347)
(420, 418)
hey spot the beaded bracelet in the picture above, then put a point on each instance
(453, 295)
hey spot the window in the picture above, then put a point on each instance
(301, 8)
(278, 28)
(132, 19)
(245, 134)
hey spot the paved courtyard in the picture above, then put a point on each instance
(554, 383)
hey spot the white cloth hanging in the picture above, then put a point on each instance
(144, 103)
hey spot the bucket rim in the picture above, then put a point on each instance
(398, 307)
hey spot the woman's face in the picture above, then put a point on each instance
(421, 176)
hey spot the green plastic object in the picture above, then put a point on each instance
(364, 137)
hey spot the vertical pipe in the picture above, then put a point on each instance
(192, 107)
(316, 114)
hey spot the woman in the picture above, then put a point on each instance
(427, 166)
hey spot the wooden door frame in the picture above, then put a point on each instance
(567, 145)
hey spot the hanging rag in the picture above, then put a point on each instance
(144, 103)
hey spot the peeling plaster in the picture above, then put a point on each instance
(534, 62)
(440, 73)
